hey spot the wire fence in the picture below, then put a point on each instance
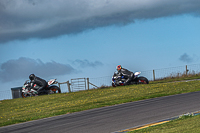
(151, 75)
(101, 81)
(5, 94)
(64, 88)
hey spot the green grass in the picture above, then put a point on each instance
(185, 124)
(32, 108)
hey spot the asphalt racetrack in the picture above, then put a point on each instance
(113, 118)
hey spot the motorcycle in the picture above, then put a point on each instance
(49, 89)
(119, 80)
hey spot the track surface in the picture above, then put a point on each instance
(113, 118)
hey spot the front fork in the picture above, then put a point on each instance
(31, 92)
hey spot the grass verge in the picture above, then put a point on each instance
(32, 108)
(185, 124)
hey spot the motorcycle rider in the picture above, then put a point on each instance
(38, 81)
(126, 73)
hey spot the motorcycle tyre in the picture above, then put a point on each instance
(114, 85)
(23, 95)
(142, 80)
(55, 89)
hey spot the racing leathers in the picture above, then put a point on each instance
(39, 82)
(127, 74)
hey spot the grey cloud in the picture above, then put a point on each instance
(24, 19)
(23, 67)
(186, 58)
(86, 63)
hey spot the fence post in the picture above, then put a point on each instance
(68, 84)
(154, 76)
(59, 85)
(186, 70)
(88, 84)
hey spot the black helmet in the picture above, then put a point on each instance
(32, 76)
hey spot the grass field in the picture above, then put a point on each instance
(32, 108)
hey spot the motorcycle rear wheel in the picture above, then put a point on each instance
(142, 80)
(55, 89)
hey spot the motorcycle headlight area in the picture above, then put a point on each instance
(24, 87)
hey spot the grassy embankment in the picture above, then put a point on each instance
(32, 108)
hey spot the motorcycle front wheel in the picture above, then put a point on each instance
(24, 95)
(113, 84)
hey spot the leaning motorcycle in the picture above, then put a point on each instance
(119, 80)
(49, 89)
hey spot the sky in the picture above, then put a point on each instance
(67, 39)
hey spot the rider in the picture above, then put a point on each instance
(126, 73)
(38, 81)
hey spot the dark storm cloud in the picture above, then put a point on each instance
(86, 63)
(24, 19)
(186, 58)
(23, 67)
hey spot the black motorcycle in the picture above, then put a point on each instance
(119, 80)
(49, 89)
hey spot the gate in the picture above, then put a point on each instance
(78, 84)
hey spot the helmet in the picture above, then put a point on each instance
(119, 67)
(32, 76)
